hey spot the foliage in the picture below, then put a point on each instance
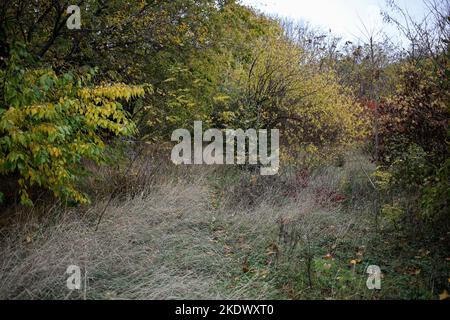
(436, 194)
(208, 82)
(224, 64)
(414, 145)
(49, 124)
(417, 114)
(414, 189)
(315, 113)
(69, 99)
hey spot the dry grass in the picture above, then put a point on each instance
(191, 232)
(122, 258)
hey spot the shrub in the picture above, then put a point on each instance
(412, 185)
(436, 194)
(417, 113)
(414, 145)
(50, 123)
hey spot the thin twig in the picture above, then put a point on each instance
(117, 188)
(368, 177)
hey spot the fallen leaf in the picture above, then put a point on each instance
(355, 261)
(289, 289)
(444, 295)
(272, 249)
(227, 249)
(245, 266)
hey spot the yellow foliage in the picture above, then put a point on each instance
(46, 140)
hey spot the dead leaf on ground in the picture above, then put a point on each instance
(227, 249)
(272, 250)
(327, 266)
(355, 261)
(328, 257)
(444, 295)
(245, 266)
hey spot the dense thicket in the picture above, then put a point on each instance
(141, 69)
(407, 95)
(214, 61)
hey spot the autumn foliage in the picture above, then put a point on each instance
(52, 122)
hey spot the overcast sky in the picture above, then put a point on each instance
(343, 17)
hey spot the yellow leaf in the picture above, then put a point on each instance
(355, 261)
(444, 295)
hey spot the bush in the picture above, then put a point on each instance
(414, 146)
(417, 114)
(436, 196)
(50, 123)
(414, 188)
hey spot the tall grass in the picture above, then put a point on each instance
(202, 232)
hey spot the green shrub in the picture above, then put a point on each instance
(50, 123)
